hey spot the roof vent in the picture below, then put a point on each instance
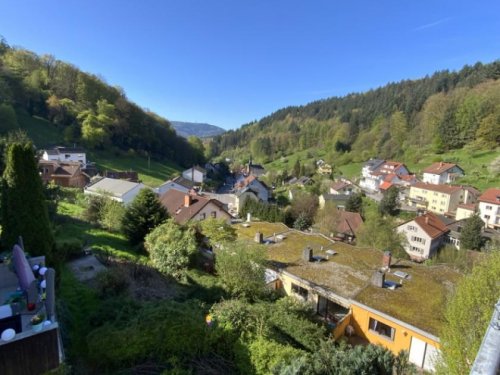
(259, 237)
(378, 279)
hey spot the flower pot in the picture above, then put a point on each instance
(37, 327)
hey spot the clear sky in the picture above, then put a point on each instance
(228, 62)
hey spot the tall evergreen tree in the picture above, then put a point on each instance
(470, 238)
(389, 205)
(144, 213)
(24, 210)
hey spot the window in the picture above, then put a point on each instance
(300, 291)
(67, 156)
(382, 329)
(418, 239)
(489, 207)
(213, 214)
(416, 249)
(203, 216)
(412, 228)
(330, 310)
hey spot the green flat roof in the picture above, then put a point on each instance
(419, 301)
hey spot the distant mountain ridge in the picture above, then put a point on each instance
(201, 130)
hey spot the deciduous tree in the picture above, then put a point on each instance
(470, 237)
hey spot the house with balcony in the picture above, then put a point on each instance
(442, 173)
(27, 289)
(376, 171)
(489, 208)
(363, 294)
(440, 199)
(424, 236)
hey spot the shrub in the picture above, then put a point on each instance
(69, 248)
(112, 282)
(266, 355)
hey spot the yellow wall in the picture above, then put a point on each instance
(402, 336)
(437, 202)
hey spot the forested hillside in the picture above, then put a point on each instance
(437, 113)
(84, 109)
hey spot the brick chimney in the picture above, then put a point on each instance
(427, 220)
(386, 259)
(187, 200)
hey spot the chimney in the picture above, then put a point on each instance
(307, 254)
(187, 200)
(440, 164)
(378, 279)
(427, 220)
(386, 259)
(259, 237)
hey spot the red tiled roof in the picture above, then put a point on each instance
(349, 222)
(173, 201)
(431, 225)
(439, 167)
(491, 195)
(447, 189)
(470, 206)
(385, 185)
(339, 185)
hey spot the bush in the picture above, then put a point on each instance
(112, 282)
(266, 355)
(69, 249)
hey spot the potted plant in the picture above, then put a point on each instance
(37, 322)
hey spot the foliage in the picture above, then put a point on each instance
(467, 316)
(68, 248)
(142, 215)
(379, 232)
(170, 248)
(302, 222)
(266, 355)
(112, 213)
(389, 205)
(24, 212)
(304, 206)
(470, 237)
(242, 261)
(93, 209)
(355, 203)
(111, 283)
(263, 211)
(217, 231)
(8, 118)
(341, 359)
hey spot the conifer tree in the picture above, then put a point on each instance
(24, 210)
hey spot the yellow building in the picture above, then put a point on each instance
(400, 311)
(437, 198)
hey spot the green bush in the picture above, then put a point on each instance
(69, 248)
(266, 355)
(112, 282)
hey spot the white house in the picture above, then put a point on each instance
(424, 235)
(442, 173)
(178, 183)
(489, 208)
(65, 154)
(252, 183)
(375, 171)
(118, 190)
(196, 174)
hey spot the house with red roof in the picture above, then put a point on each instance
(184, 207)
(489, 208)
(442, 173)
(348, 225)
(376, 172)
(425, 234)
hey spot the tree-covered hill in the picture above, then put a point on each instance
(438, 113)
(200, 130)
(83, 108)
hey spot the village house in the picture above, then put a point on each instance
(254, 184)
(441, 199)
(195, 174)
(489, 208)
(74, 154)
(184, 207)
(119, 190)
(255, 170)
(233, 202)
(362, 294)
(66, 174)
(347, 226)
(343, 187)
(325, 169)
(424, 236)
(464, 211)
(177, 183)
(375, 172)
(442, 173)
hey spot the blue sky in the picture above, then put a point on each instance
(228, 62)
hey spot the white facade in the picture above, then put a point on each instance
(490, 214)
(419, 245)
(446, 177)
(53, 155)
(195, 175)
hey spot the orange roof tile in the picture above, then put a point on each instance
(491, 195)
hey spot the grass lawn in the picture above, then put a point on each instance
(99, 239)
(152, 173)
(42, 132)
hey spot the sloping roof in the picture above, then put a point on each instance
(173, 201)
(115, 187)
(339, 185)
(349, 222)
(470, 206)
(385, 185)
(447, 189)
(440, 167)
(491, 195)
(431, 225)
(183, 182)
(373, 163)
(62, 168)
